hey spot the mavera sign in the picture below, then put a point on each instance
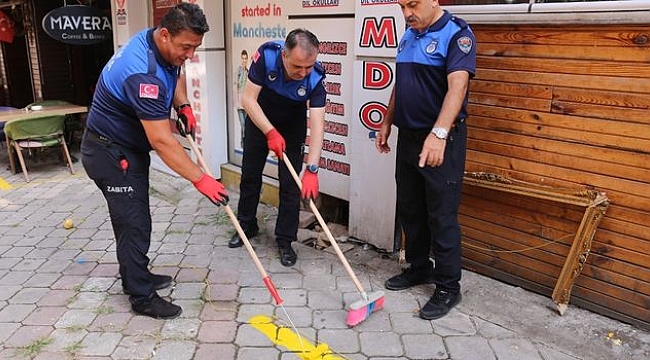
(78, 25)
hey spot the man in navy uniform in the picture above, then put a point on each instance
(128, 118)
(284, 79)
(436, 58)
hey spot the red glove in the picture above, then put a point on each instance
(187, 116)
(309, 185)
(276, 142)
(212, 189)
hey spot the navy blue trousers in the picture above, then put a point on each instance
(127, 196)
(428, 199)
(253, 161)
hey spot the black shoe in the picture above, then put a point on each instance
(439, 304)
(410, 277)
(156, 307)
(236, 241)
(159, 282)
(288, 257)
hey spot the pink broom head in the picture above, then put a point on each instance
(360, 310)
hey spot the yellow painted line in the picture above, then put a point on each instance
(4, 185)
(285, 337)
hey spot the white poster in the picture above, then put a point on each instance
(320, 7)
(379, 26)
(336, 56)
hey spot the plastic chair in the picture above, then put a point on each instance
(2, 125)
(31, 133)
(72, 122)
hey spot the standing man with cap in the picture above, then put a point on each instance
(283, 80)
(435, 60)
(128, 118)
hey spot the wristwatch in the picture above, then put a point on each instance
(312, 168)
(440, 133)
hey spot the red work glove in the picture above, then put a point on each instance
(309, 185)
(212, 189)
(276, 142)
(187, 117)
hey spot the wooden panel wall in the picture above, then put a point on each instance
(563, 106)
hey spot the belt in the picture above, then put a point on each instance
(99, 138)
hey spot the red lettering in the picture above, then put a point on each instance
(372, 115)
(379, 35)
(376, 75)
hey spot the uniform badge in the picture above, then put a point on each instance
(302, 91)
(432, 47)
(149, 91)
(272, 76)
(256, 56)
(465, 44)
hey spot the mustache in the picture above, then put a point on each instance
(411, 19)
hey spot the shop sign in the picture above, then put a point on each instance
(78, 25)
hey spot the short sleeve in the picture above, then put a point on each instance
(318, 96)
(257, 69)
(462, 52)
(147, 95)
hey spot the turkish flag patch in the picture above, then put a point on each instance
(256, 56)
(149, 91)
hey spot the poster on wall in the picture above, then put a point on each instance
(160, 8)
(253, 23)
(320, 7)
(379, 26)
(337, 59)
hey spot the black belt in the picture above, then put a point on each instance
(99, 138)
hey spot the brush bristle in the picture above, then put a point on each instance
(360, 310)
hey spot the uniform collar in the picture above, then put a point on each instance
(436, 26)
(156, 51)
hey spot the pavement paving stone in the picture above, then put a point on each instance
(324, 300)
(187, 290)
(56, 298)
(424, 346)
(247, 335)
(45, 315)
(27, 335)
(344, 341)
(193, 274)
(248, 353)
(16, 277)
(135, 347)
(329, 319)
(6, 330)
(180, 329)
(219, 310)
(380, 344)
(282, 281)
(217, 332)
(247, 311)
(107, 270)
(469, 348)
(39, 252)
(409, 323)
(293, 297)
(97, 284)
(197, 261)
(167, 260)
(53, 265)
(191, 307)
(50, 356)
(171, 248)
(490, 330)
(16, 312)
(28, 264)
(454, 323)
(73, 319)
(110, 321)
(377, 321)
(514, 349)
(6, 292)
(87, 300)
(174, 350)
(222, 292)
(100, 343)
(18, 251)
(549, 353)
(63, 339)
(322, 282)
(8, 263)
(301, 316)
(143, 326)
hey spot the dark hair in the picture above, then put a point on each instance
(303, 38)
(185, 16)
(244, 52)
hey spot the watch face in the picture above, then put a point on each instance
(312, 168)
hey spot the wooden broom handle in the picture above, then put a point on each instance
(322, 223)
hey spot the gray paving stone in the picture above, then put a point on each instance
(514, 349)
(16, 277)
(222, 292)
(324, 300)
(254, 296)
(247, 335)
(191, 307)
(217, 332)
(171, 248)
(8, 263)
(142, 325)
(40, 253)
(97, 284)
(329, 319)
(6, 330)
(134, 347)
(188, 290)
(17, 251)
(45, 315)
(180, 329)
(6, 292)
(380, 344)
(28, 265)
(208, 351)
(549, 353)
(221, 310)
(301, 316)
(377, 321)
(73, 319)
(69, 282)
(409, 323)
(424, 346)
(100, 343)
(469, 348)
(110, 321)
(87, 300)
(322, 282)
(247, 353)
(50, 356)
(26, 335)
(454, 323)
(16, 312)
(42, 280)
(247, 311)
(491, 330)
(54, 266)
(175, 350)
(342, 341)
(28, 296)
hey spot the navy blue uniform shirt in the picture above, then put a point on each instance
(423, 62)
(135, 84)
(284, 100)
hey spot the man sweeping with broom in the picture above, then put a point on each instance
(436, 58)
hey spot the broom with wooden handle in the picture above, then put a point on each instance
(359, 310)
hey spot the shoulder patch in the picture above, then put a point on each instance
(149, 91)
(465, 44)
(256, 56)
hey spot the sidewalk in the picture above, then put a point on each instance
(60, 297)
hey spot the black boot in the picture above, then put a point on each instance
(288, 257)
(236, 241)
(156, 307)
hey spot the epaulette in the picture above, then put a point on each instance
(460, 22)
(271, 45)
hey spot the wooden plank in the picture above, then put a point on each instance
(637, 232)
(506, 101)
(511, 89)
(636, 284)
(556, 51)
(602, 112)
(616, 253)
(550, 78)
(565, 66)
(614, 292)
(629, 315)
(569, 161)
(600, 97)
(559, 129)
(582, 151)
(596, 36)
